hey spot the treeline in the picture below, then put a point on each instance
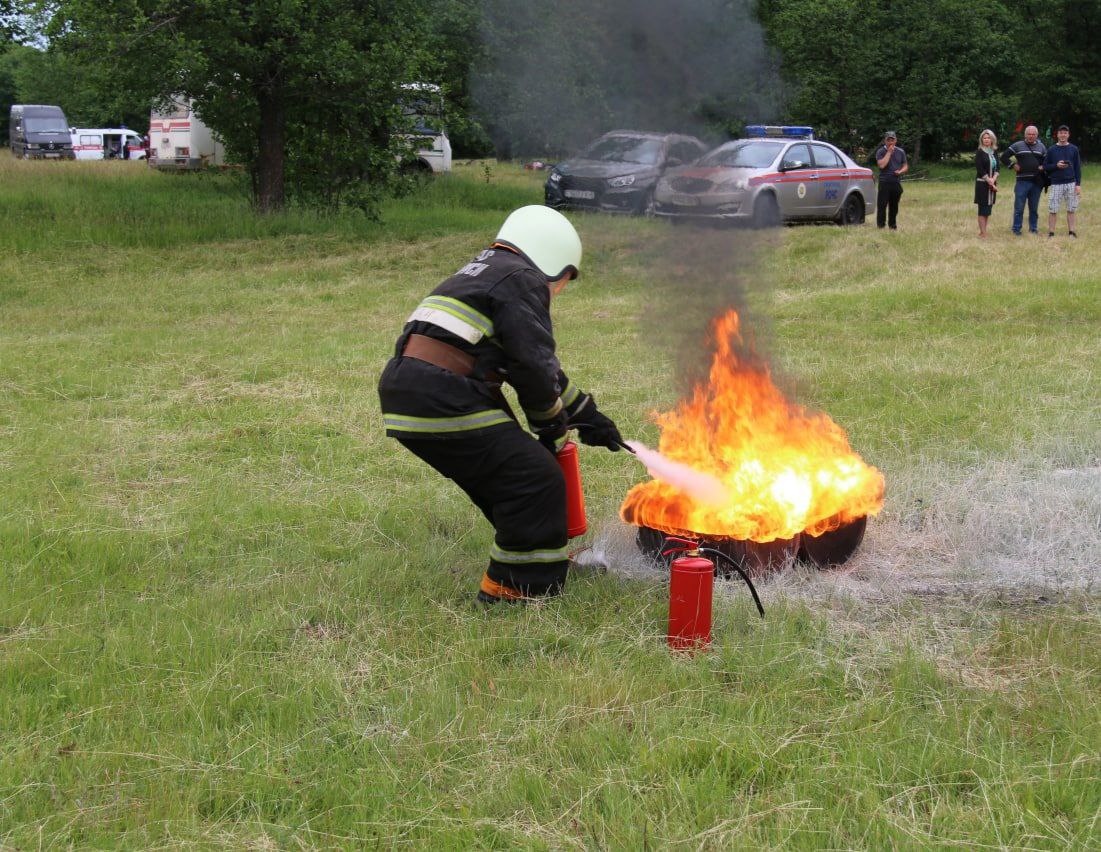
(939, 71)
(305, 92)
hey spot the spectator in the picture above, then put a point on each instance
(892, 165)
(1027, 159)
(986, 177)
(1063, 166)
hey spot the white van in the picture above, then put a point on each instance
(178, 139)
(106, 143)
(424, 104)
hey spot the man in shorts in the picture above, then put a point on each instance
(1063, 165)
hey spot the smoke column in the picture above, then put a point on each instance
(554, 75)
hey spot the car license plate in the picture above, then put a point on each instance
(686, 200)
(53, 156)
(587, 194)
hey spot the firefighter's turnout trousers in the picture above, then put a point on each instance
(441, 399)
(518, 485)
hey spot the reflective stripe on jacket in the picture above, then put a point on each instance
(496, 309)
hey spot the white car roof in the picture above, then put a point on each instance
(104, 130)
(786, 143)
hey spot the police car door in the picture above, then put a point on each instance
(799, 183)
(829, 189)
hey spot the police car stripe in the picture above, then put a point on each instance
(461, 309)
(477, 420)
(527, 557)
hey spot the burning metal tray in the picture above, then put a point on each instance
(758, 559)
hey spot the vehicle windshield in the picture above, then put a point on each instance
(49, 124)
(744, 155)
(425, 112)
(624, 149)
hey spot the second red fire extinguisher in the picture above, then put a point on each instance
(691, 586)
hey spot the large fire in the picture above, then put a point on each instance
(786, 471)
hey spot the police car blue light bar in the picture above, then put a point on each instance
(776, 130)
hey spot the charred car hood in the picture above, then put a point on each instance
(603, 169)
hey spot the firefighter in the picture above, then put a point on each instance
(441, 397)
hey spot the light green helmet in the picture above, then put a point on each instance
(546, 238)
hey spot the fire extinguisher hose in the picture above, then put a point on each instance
(733, 564)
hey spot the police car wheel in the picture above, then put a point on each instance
(766, 212)
(852, 211)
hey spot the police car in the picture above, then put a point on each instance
(776, 174)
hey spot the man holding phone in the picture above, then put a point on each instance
(1063, 166)
(892, 165)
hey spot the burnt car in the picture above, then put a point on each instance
(776, 174)
(618, 171)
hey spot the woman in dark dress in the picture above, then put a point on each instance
(986, 177)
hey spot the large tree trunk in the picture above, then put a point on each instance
(269, 160)
(915, 152)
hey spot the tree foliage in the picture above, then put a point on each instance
(304, 93)
(1062, 80)
(936, 71)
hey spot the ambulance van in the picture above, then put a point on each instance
(107, 143)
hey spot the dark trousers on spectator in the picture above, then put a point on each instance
(886, 204)
(1026, 190)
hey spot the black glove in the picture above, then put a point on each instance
(551, 433)
(596, 429)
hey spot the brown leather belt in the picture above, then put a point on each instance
(441, 355)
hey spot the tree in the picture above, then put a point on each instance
(1061, 79)
(304, 93)
(454, 47)
(51, 76)
(859, 67)
(11, 22)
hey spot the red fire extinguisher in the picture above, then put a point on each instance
(691, 583)
(576, 523)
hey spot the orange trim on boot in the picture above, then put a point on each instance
(507, 593)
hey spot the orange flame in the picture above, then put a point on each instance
(786, 470)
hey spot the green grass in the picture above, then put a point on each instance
(232, 614)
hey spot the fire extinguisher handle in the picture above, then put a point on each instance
(687, 544)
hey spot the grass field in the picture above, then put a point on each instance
(232, 614)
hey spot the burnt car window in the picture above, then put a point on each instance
(826, 158)
(797, 157)
(625, 149)
(744, 155)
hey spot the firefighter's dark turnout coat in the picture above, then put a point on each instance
(496, 309)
